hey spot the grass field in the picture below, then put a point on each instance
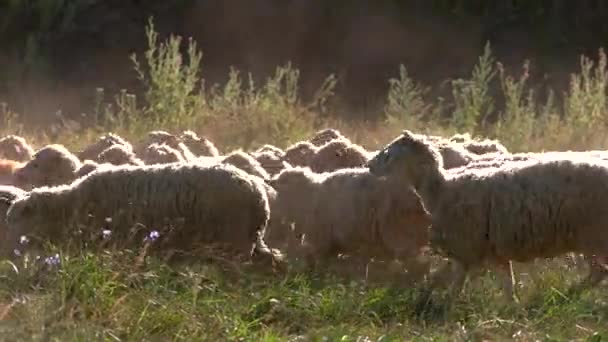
(117, 295)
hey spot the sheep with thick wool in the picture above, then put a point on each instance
(276, 151)
(326, 135)
(300, 154)
(272, 163)
(160, 153)
(211, 205)
(160, 138)
(199, 146)
(245, 162)
(104, 142)
(14, 147)
(338, 154)
(477, 146)
(119, 155)
(354, 212)
(8, 195)
(51, 165)
(537, 209)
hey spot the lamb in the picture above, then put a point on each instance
(15, 148)
(338, 154)
(7, 171)
(324, 136)
(104, 142)
(300, 154)
(119, 155)
(538, 209)
(51, 165)
(246, 163)
(217, 205)
(161, 154)
(8, 194)
(352, 211)
(200, 147)
(272, 163)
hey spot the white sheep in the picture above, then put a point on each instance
(245, 162)
(324, 136)
(279, 153)
(161, 153)
(8, 194)
(104, 142)
(51, 165)
(159, 138)
(119, 155)
(300, 154)
(15, 148)
(338, 154)
(200, 147)
(190, 205)
(272, 163)
(537, 209)
(354, 212)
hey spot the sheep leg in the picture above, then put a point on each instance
(598, 270)
(508, 280)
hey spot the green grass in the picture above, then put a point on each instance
(109, 296)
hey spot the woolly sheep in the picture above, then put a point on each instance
(246, 163)
(300, 154)
(454, 155)
(324, 136)
(199, 146)
(104, 142)
(338, 154)
(119, 155)
(87, 167)
(535, 210)
(352, 211)
(7, 171)
(15, 148)
(271, 162)
(8, 194)
(51, 165)
(478, 147)
(279, 153)
(161, 154)
(213, 205)
(163, 138)
(485, 146)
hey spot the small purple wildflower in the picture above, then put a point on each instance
(23, 240)
(17, 252)
(153, 236)
(52, 260)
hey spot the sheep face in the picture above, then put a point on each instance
(407, 156)
(52, 165)
(22, 219)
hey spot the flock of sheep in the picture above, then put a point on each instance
(469, 200)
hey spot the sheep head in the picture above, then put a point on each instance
(409, 157)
